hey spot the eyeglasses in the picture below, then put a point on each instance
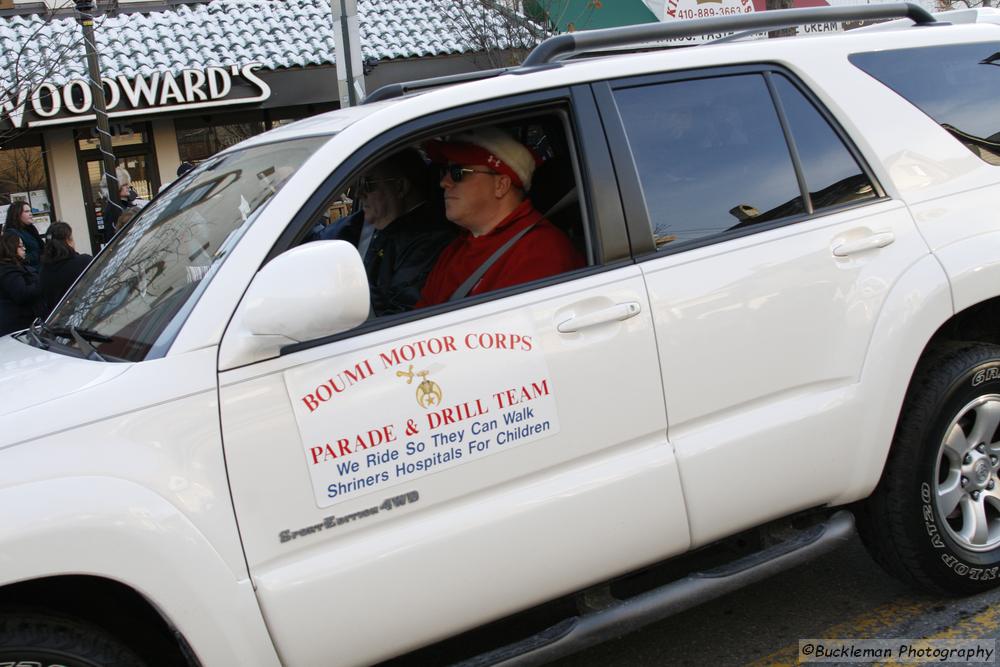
(457, 172)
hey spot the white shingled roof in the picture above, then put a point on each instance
(276, 33)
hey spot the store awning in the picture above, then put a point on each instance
(573, 15)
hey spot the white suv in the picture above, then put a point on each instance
(212, 454)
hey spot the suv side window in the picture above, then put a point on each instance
(711, 155)
(412, 213)
(833, 177)
(956, 85)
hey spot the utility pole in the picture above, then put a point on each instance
(85, 16)
(347, 44)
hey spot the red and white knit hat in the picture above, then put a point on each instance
(491, 148)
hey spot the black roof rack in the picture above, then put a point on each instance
(559, 46)
(392, 90)
(589, 41)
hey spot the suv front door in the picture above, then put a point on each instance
(475, 460)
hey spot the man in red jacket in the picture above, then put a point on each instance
(505, 240)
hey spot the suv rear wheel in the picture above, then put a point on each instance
(934, 520)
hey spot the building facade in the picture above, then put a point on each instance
(181, 83)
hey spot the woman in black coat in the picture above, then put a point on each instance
(19, 287)
(61, 265)
(20, 221)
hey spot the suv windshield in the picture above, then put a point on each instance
(131, 299)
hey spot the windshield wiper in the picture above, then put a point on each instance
(86, 334)
(85, 344)
(82, 338)
(34, 334)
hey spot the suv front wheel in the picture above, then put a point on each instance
(934, 519)
(44, 639)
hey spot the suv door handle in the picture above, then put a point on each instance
(871, 242)
(617, 313)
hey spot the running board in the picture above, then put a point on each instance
(608, 617)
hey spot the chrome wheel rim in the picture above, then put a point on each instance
(967, 488)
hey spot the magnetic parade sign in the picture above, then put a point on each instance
(392, 414)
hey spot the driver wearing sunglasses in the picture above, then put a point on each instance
(485, 175)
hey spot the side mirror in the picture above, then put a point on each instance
(314, 290)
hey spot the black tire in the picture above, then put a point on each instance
(49, 639)
(906, 525)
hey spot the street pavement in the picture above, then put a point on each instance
(843, 595)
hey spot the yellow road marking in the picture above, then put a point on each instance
(864, 626)
(978, 626)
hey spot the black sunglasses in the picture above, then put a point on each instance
(457, 172)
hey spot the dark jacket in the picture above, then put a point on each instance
(113, 211)
(55, 279)
(110, 217)
(401, 255)
(33, 244)
(19, 295)
(347, 229)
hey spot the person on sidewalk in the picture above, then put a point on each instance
(20, 221)
(20, 292)
(61, 265)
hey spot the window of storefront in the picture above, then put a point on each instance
(133, 151)
(127, 140)
(122, 134)
(201, 137)
(23, 177)
(285, 115)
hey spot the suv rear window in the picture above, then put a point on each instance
(956, 85)
(713, 156)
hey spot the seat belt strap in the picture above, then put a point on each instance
(477, 275)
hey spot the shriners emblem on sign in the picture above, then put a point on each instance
(428, 392)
